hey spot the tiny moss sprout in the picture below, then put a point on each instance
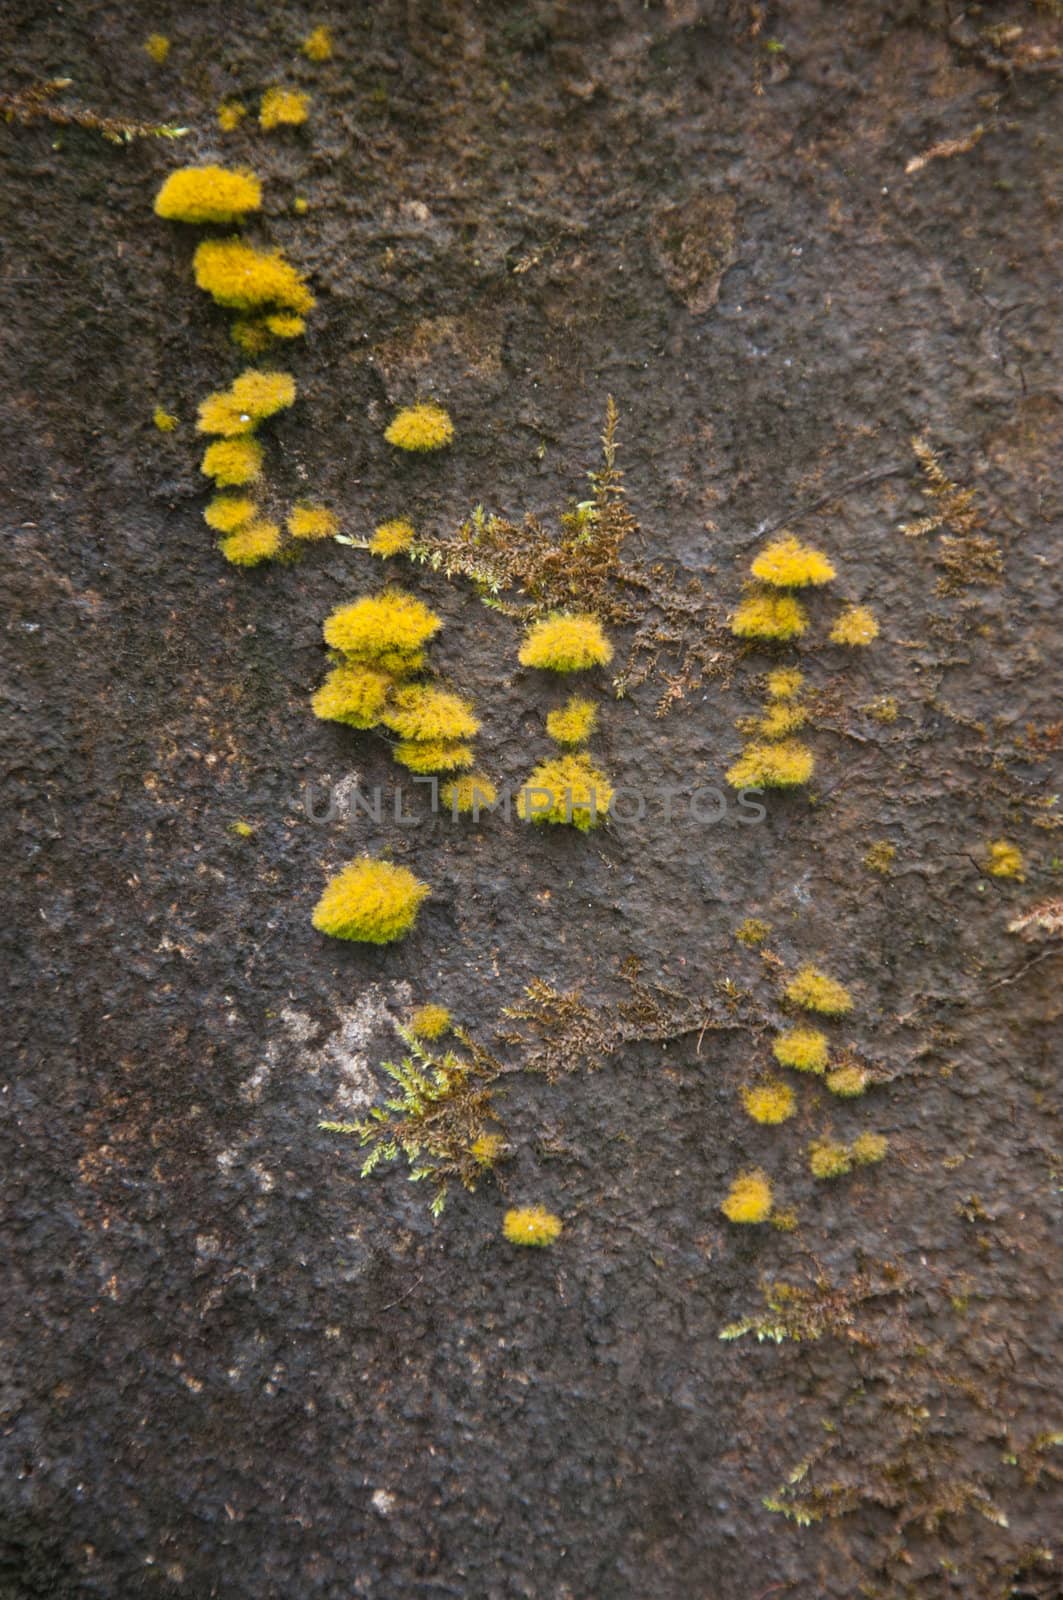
(770, 1103)
(372, 902)
(880, 856)
(572, 723)
(749, 1198)
(317, 46)
(245, 279)
(789, 564)
(828, 1159)
(487, 1149)
(250, 399)
(566, 789)
(785, 765)
(784, 683)
(392, 538)
(468, 793)
(531, 1225)
(227, 512)
(164, 420)
(804, 1049)
(283, 108)
(430, 1022)
(781, 718)
(420, 428)
(157, 46)
(752, 931)
(232, 463)
(312, 522)
(242, 830)
(251, 544)
(566, 642)
(1004, 860)
(856, 626)
(813, 990)
(869, 1148)
(208, 194)
(772, 617)
(230, 115)
(848, 1080)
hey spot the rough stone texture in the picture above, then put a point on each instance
(232, 1367)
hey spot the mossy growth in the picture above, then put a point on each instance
(164, 420)
(784, 683)
(868, 1148)
(157, 46)
(245, 279)
(771, 617)
(307, 521)
(430, 1022)
(421, 712)
(771, 1102)
(786, 563)
(828, 1159)
(372, 902)
(782, 717)
(572, 723)
(468, 794)
(354, 695)
(856, 626)
(487, 1149)
(848, 1080)
(242, 830)
(233, 463)
(392, 538)
(880, 856)
(230, 115)
(566, 789)
(208, 194)
(251, 544)
(420, 428)
(426, 756)
(785, 765)
(227, 512)
(804, 1049)
(283, 108)
(256, 333)
(317, 46)
(1004, 860)
(566, 642)
(531, 1225)
(752, 931)
(249, 400)
(386, 630)
(813, 990)
(749, 1198)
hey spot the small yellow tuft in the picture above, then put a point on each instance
(312, 522)
(300, 205)
(828, 1159)
(885, 709)
(487, 1149)
(749, 1198)
(814, 991)
(285, 324)
(283, 108)
(384, 629)
(433, 755)
(230, 115)
(770, 1102)
(208, 194)
(353, 695)
(566, 642)
(232, 462)
(373, 902)
(573, 723)
(801, 1048)
(531, 1225)
(769, 616)
(421, 427)
(785, 1221)
(423, 713)
(251, 335)
(780, 719)
(391, 538)
(856, 626)
(227, 512)
(249, 400)
(157, 46)
(880, 856)
(789, 564)
(165, 421)
(1004, 860)
(869, 1148)
(848, 1081)
(246, 279)
(772, 766)
(317, 46)
(430, 1022)
(252, 544)
(468, 793)
(752, 931)
(242, 830)
(784, 683)
(567, 789)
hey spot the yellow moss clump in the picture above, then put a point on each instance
(531, 1225)
(433, 755)
(285, 324)
(422, 427)
(373, 902)
(801, 1048)
(249, 400)
(387, 629)
(566, 642)
(423, 713)
(208, 194)
(245, 279)
(814, 991)
(780, 719)
(157, 46)
(770, 616)
(784, 683)
(827, 1159)
(1004, 860)
(232, 463)
(353, 695)
(769, 1102)
(392, 538)
(468, 793)
(317, 46)
(312, 522)
(252, 544)
(856, 626)
(165, 421)
(879, 857)
(283, 108)
(869, 1148)
(242, 830)
(749, 1198)
(430, 1022)
(487, 1148)
(848, 1081)
(230, 115)
(772, 766)
(752, 931)
(227, 512)
(567, 789)
(789, 564)
(572, 723)
(251, 335)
